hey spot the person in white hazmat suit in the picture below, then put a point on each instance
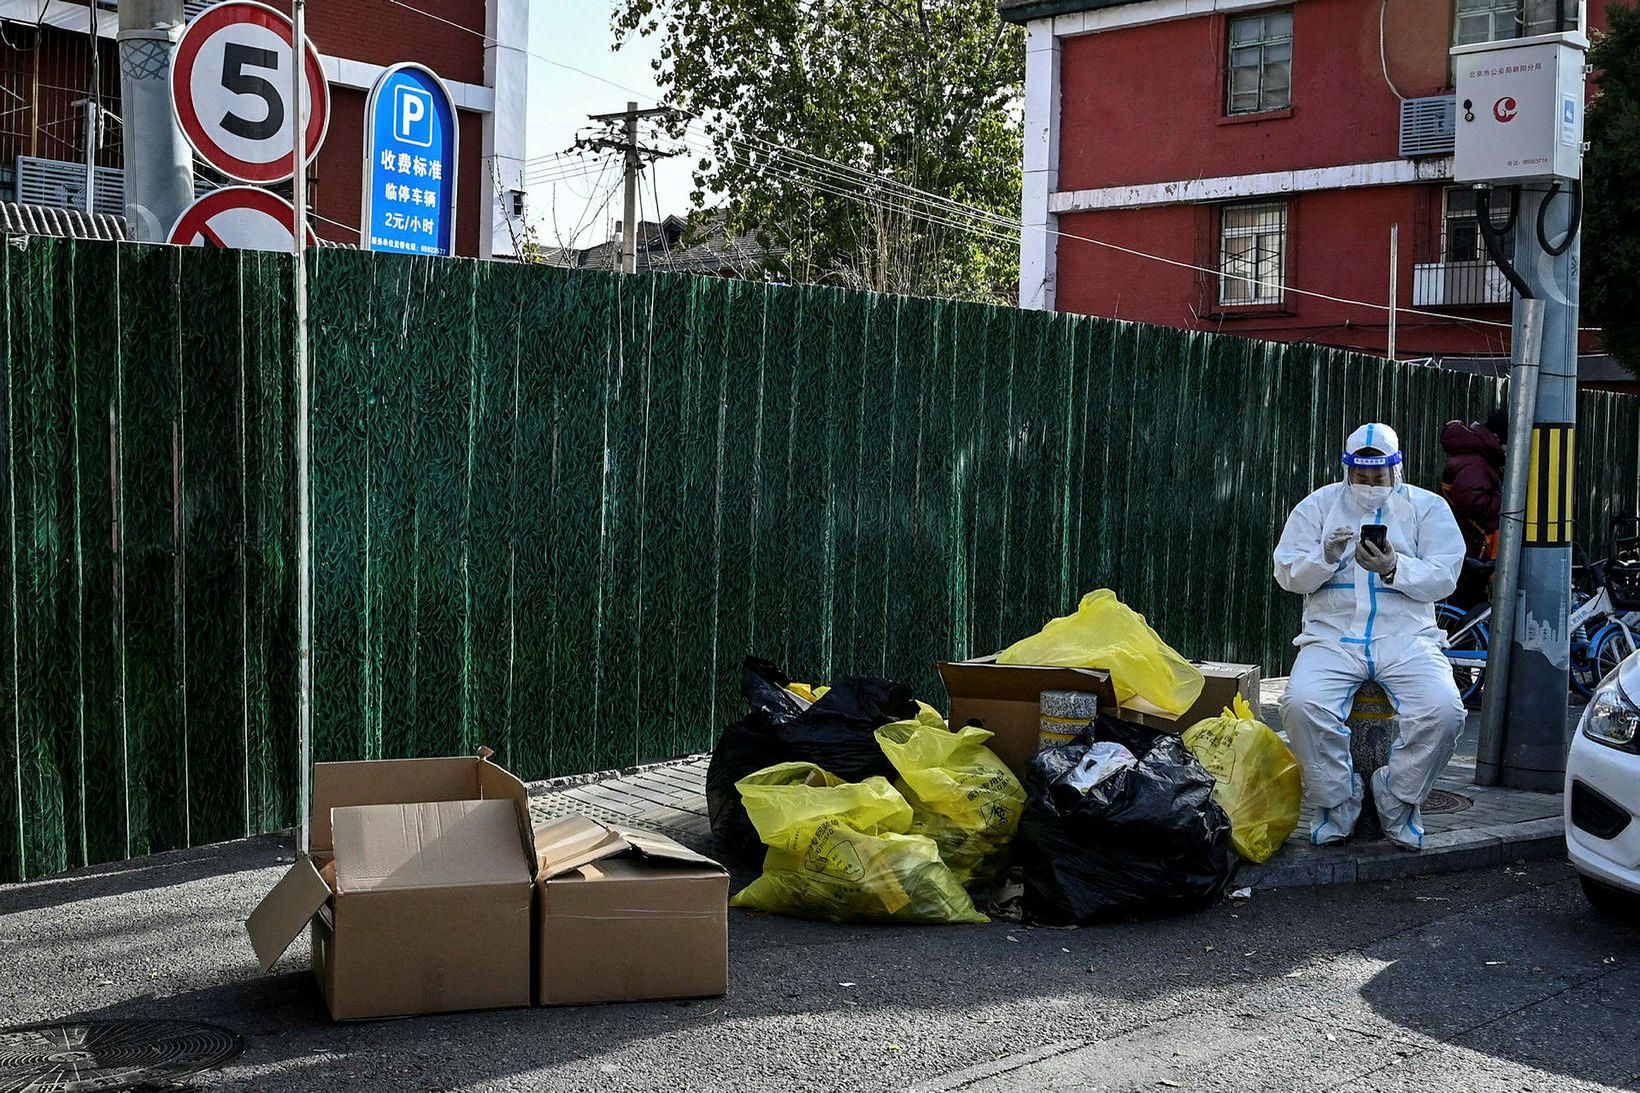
(1370, 614)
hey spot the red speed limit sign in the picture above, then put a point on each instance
(231, 88)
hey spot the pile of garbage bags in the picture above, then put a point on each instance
(865, 805)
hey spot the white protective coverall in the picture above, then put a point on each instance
(1358, 627)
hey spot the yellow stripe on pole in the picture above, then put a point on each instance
(1531, 537)
(1568, 479)
(1552, 527)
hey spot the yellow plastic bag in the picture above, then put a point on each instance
(1106, 633)
(841, 852)
(962, 796)
(928, 715)
(1256, 778)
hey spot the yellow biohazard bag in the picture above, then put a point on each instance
(1106, 633)
(962, 796)
(1256, 778)
(842, 852)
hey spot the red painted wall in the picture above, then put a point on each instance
(1146, 104)
(380, 32)
(1324, 255)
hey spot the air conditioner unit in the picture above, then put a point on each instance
(61, 183)
(1429, 126)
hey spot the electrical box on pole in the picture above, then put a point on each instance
(1520, 126)
(1520, 109)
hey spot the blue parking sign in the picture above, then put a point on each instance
(410, 164)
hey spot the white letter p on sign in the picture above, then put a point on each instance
(413, 123)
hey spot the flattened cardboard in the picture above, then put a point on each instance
(1006, 698)
(625, 915)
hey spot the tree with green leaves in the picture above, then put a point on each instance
(815, 123)
(1611, 185)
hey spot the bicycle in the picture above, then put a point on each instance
(1603, 623)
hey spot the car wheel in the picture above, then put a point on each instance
(1609, 900)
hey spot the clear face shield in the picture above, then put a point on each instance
(1372, 475)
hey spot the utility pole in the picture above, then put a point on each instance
(1520, 111)
(1531, 753)
(159, 165)
(635, 155)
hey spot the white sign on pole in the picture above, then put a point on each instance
(238, 218)
(232, 86)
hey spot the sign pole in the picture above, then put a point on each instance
(304, 515)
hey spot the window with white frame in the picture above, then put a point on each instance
(1486, 21)
(1252, 254)
(1461, 227)
(1260, 62)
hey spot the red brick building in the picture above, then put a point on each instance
(1272, 144)
(476, 47)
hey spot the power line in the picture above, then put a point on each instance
(915, 195)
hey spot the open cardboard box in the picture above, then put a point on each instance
(1005, 698)
(418, 885)
(625, 915)
(424, 893)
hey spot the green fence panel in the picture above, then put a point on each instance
(553, 510)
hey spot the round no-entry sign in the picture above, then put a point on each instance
(240, 218)
(231, 89)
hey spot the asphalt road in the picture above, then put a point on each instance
(1500, 979)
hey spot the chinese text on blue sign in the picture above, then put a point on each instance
(410, 164)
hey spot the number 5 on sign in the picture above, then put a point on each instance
(231, 89)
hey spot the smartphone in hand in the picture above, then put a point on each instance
(1376, 534)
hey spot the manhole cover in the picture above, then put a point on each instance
(1441, 800)
(104, 1055)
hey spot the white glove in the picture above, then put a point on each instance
(1373, 560)
(1336, 543)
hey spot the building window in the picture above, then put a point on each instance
(1261, 62)
(1501, 20)
(1252, 254)
(1461, 227)
(1486, 21)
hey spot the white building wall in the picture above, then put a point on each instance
(1038, 243)
(506, 70)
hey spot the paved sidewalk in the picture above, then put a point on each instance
(1468, 826)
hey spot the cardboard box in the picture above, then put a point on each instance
(418, 885)
(625, 916)
(1005, 699)
(1221, 684)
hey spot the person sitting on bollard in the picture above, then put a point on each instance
(1369, 613)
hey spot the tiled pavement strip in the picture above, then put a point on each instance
(1501, 825)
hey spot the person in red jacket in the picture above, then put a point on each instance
(1472, 484)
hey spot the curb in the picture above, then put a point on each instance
(570, 781)
(1445, 852)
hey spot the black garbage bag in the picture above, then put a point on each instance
(1147, 839)
(835, 734)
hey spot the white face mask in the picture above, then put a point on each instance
(1369, 497)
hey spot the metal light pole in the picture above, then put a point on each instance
(304, 515)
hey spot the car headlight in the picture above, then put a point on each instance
(1612, 719)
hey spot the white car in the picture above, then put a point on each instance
(1603, 793)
